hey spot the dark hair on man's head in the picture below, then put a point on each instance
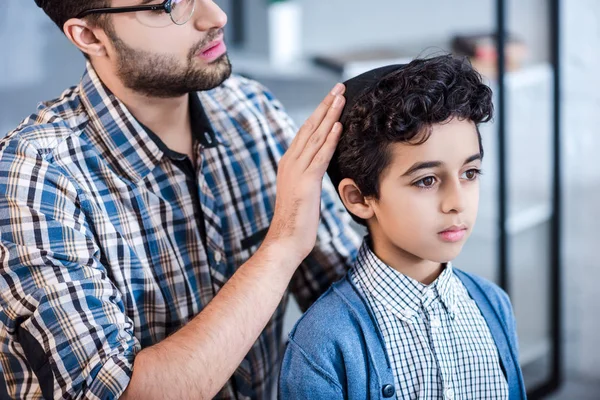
(60, 11)
(401, 107)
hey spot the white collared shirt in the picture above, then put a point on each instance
(437, 340)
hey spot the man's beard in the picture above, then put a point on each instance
(163, 76)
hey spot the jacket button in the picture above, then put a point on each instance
(388, 391)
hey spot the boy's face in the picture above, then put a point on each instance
(429, 195)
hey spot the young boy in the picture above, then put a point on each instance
(404, 323)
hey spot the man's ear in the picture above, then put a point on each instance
(88, 39)
(353, 199)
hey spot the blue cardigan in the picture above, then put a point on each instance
(336, 350)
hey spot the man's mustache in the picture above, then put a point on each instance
(212, 35)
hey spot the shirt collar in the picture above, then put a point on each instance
(400, 294)
(202, 131)
(123, 142)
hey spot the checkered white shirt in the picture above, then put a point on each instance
(438, 343)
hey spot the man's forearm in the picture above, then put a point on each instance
(196, 361)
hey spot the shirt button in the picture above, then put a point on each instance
(429, 295)
(408, 313)
(449, 394)
(218, 257)
(388, 391)
(435, 322)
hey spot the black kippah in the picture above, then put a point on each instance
(362, 84)
(356, 88)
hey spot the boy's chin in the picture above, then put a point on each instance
(444, 257)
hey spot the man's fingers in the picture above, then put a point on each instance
(311, 125)
(318, 138)
(318, 115)
(321, 160)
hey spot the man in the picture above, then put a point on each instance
(142, 252)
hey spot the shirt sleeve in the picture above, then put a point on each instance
(337, 241)
(302, 378)
(63, 328)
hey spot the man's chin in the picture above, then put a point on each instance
(222, 60)
(220, 69)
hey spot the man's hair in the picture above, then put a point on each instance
(60, 11)
(401, 107)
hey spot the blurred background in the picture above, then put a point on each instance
(541, 189)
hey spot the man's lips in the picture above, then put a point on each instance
(211, 45)
(213, 50)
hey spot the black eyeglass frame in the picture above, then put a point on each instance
(165, 6)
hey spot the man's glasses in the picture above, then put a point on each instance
(180, 11)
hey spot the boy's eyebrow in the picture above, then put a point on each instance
(435, 164)
(422, 165)
(474, 157)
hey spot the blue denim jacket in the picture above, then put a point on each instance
(336, 350)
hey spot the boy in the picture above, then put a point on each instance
(405, 323)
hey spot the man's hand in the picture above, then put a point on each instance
(300, 176)
(197, 360)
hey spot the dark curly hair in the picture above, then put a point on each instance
(401, 107)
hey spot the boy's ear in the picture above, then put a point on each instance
(353, 199)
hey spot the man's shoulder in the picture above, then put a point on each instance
(52, 123)
(238, 87)
(237, 82)
(253, 108)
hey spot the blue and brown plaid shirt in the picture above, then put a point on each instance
(109, 243)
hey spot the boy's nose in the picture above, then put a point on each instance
(453, 198)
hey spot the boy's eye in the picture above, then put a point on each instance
(426, 182)
(472, 174)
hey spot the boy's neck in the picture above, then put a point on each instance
(424, 271)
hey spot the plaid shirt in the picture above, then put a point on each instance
(439, 344)
(101, 250)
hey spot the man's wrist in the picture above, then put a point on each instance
(281, 253)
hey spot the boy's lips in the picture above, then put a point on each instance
(453, 234)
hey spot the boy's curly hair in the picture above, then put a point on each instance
(402, 107)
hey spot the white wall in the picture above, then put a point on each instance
(581, 147)
(337, 25)
(36, 61)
